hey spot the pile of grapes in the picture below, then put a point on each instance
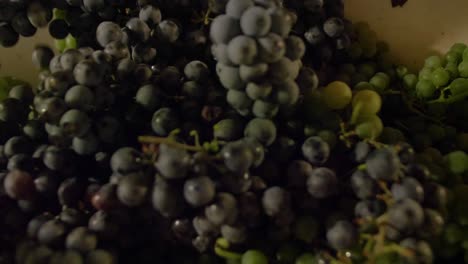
(227, 131)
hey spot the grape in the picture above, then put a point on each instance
(41, 56)
(337, 95)
(409, 188)
(275, 200)
(333, 27)
(257, 149)
(410, 81)
(235, 8)
(255, 21)
(228, 129)
(238, 157)
(67, 256)
(242, 50)
(307, 79)
(199, 191)
(322, 183)
(22, 26)
(234, 234)
(256, 72)
(368, 209)
(117, 50)
(452, 69)
(75, 123)
(463, 69)
(58, 29)
(132, 189)
(342, 235)
(297, 173)
(315, 150)
(8, 36)
(440, 77)
(149, 96)
(229, 77)
(257, 91)
(295, 48)
(139, 30)
(425, 89)
(406, 215)
(19, 185)
(224, 28)
(281, 71)
(85, 145)
(88, 73)
(223, 210)
(457, 161)
(196, 71)
(422, 248)
(168, 31)
(164, 121)
(80, 97)
(172, 163)
(52, 232)
(35, 224)
(281, 21)
(383, 164)
(433, 62)
(150, 14)
(166, 199)
(363, 186)
(314, 35)
(287, 93)
(38, 15)
(263, 130)
(125, 160)
(380, 82)
(38, 254)
(81, 239)
(369, 126)
(99, 256)
(271, 48)
(204, 227)
(264, 109)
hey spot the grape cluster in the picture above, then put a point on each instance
(258, 60)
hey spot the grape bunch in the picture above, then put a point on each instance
(257, 58)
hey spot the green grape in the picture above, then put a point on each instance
(459, 86)
(59, 13)
(369, 127)
(306, 258)
(70, 42)
(410, 81)
(380, 82)
(465, 55)
(358, 78)
(402, 71)
(453, 56)
(363, 86)
(452, 68)
(425, 89)
(368, 102)
(458, 48)
(440, 77)
(457, 162)
(254, 257)
(462, 141)
(306, 229)
(425, 74)
(348, 68)
(60, 45)
(287, 253)
(367, 69)
(329, 137)
(433, 62)
(463, 69)
(355, 51)
(337, 95)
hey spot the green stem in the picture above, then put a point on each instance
(169, 142)
(355, 113)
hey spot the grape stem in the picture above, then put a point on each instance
(169, 142)
(221, 247)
